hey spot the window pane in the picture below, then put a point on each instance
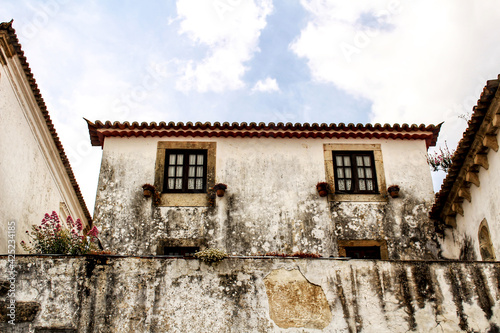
(341, 185)
(340, 172)
(191, 171)
(348, 173)
(347, 161)
(362, 186)
(368, 173)
(171, 182)
(367, 160)
(171, 171)
(191, 184)
(171, 160)
(179, 171)
(338, 159)
(200, 159)
(199, 183)
(369, 185)
(192, 159)
(180, 159)
(199, 171)
(361, 172)
(178, 183)
(359, 160)
(348, 184)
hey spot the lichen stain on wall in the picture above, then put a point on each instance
(402, 222)
(295, 302)
(124, 294)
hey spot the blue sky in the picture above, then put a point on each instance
(255, 60)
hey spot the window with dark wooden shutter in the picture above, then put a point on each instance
(185, 171)
(354, 172)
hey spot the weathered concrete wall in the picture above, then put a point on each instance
(271, 203)
(126, 294)
(463, 241)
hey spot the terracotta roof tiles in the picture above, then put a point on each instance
(99, 131)
(463, 148)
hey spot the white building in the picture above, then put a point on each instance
(271, 203)
(35, 174)
(467, 208)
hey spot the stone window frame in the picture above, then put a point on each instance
(184, 199)
(382, 244)
(485, 242)
(376, 149)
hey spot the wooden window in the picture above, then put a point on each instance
(185, 171)
(180, 251)
(363, 249)
(363, 252)
(354, 172)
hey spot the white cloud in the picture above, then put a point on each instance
(268, 85)
(416, 61)
(230, 30)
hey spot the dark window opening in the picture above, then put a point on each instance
(180, 251)
(363, 252)
(354, 172)
(185, 171)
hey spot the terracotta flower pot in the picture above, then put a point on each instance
(322, 189)
(147, 193)
(220, 192)
(394, 194)
(323, 193)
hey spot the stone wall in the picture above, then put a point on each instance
(154, 294)
(271, 203)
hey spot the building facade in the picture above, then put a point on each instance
(466, 209)
(271, 203)
(35, 174)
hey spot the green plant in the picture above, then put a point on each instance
(220, 186)
(149, 187)
(211, 255)
(51, 237)
(440, 159)
(393, 188)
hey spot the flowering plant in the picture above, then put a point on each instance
(440, 159)
(51, 237)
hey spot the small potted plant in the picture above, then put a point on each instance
(322, 188)
(393, 191)
(148, 190)
(220, 189)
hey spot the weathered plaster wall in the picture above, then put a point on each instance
(463, 241)
(271, 203)
(28, 189)
(126, 294)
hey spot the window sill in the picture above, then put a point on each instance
(358, 197)
(184, 200)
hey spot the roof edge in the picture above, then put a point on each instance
(16, 48)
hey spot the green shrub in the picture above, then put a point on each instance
(211, 255)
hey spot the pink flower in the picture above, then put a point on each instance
(93, 232)
(79, 225)
(70, 221)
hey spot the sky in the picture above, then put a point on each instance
(314, 61)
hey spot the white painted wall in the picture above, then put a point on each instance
(30, 169)
(271, 203)
(485, 204)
